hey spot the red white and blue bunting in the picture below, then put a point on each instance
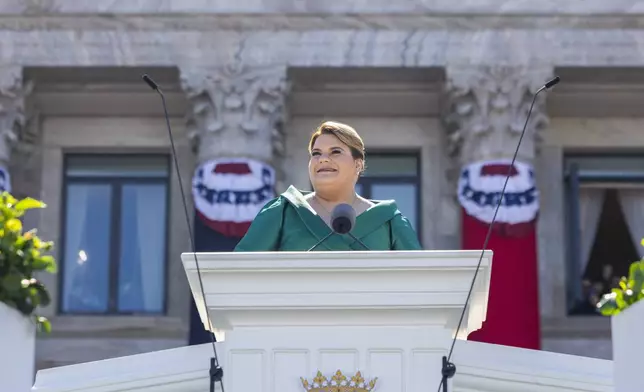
(514, 243)
(5, 180)
(480, 186)
(229, 192)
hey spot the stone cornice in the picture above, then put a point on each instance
(415, 48)
(316, 21)
(478, 7)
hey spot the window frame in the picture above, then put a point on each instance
(573, 178)
(366, 181)
(116, 184)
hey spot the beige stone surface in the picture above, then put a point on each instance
(331, 48)
(593, 348)
(501, 7)
(67, 351)
(589, 133)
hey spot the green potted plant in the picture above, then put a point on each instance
(22, 254)
(629, 292)
(625, 306)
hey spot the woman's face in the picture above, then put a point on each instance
(331, 163)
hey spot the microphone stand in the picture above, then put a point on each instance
(449, 369)
(356, 239)
(216, 373)
(321, 241)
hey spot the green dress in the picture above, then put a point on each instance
(289, 223)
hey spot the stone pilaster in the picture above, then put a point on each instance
(486, 111)
(12, 117)
(236, 111)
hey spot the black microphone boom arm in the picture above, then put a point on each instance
(216, 372)
(321, 241)
(356, 239)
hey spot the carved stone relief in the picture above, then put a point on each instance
(12, 110)
(236, 111)
(487, 108)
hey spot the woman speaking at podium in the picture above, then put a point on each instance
(299, 221)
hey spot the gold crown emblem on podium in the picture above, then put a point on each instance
(339, 383)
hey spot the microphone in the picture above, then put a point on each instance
(343, 218)
(216, 372)
(449, 369)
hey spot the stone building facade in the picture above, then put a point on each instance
(437, 81)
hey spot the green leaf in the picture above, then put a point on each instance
(13, 225)
(8, 199)
(636, 270)
(607, 305)
(43, 324)
(29, 203)
(39, 292)
(636, 276)
(12, 283)
(623, 284)
(51, 263)
(619, 298)
(20, 257)
(46, 263)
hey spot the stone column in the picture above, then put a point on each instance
(236, 111)
(12, 117)
(235, 122)
(487, 109)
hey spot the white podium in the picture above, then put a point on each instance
(281, 317)
(389, 315)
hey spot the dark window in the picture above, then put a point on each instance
(605, 223)
(115, 220)
(394, 176)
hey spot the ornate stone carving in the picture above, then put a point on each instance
(236, 111)
(12, 109)
(487, 108)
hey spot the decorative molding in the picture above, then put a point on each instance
(236, 111)
(486, 111)
(13, 92)
(339, 383)
(380, 283)
(366, 21)
(396, 47)
(334, 7)
(481, 367)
